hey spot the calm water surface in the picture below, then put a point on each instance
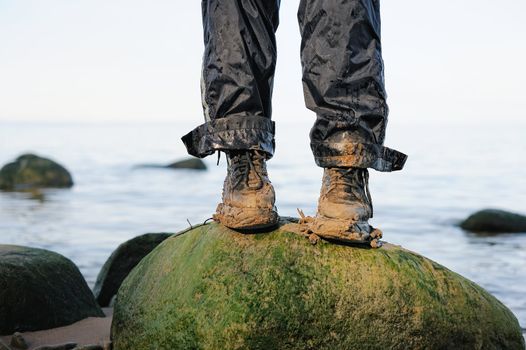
(452, 171)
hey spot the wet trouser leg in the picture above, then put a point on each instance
(343, 82)
(237, 78)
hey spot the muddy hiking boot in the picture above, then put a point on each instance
(248, 195)
(345, 207)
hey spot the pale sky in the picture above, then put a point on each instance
(131, 60)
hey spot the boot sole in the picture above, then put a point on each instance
(342, 231)
(246, 219)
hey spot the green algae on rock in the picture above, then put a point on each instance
(214, 288)
(121, 262)
(30, 172)
(40, 289)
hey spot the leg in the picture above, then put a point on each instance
(343, 82)
(237, 77)
(238, 73)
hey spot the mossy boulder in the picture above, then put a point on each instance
(121, 262)
(494, 221)
(214, 288)
(40, 289)
(30, 172)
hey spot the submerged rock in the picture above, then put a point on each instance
(30, 171)
(40, 289)
(214, 288)
(121, 262)
(190, 163)
(495, 221)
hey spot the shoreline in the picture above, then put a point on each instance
(89, 331)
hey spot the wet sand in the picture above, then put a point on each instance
(90, 331)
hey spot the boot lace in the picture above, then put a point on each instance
(242, 164)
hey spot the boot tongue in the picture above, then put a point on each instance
(345, 185)
(253, 180)
(255, 175)
(246, 167)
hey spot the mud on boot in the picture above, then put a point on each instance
(248, 195)
(345, 207)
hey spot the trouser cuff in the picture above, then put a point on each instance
(231, 133)
(357, 155)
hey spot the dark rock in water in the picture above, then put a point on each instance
(190, 163)
(121, 262)
(18, 341)
(30, 171)
(214, 288)
(40, 290)
(495, 221)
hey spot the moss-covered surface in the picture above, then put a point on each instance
(121, 262)
(40, 289)
(30, 171)
(213, 288)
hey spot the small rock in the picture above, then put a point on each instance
(29, 172)
(190, 163)
(495, 221)
(18, 341)
(66, 346)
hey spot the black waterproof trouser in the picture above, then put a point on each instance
(343, 81)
